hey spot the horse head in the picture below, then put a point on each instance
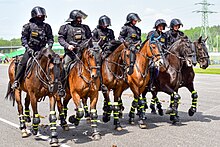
(92, 57)
(182, 48)
(202, 55)
(53, 69)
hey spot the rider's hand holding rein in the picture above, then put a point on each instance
(71, 47)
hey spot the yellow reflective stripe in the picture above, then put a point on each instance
(93, 110)
(116, 113)
(35, 125)
(22, 120)
(35, 128)
(78, 118)
(136, 100)
(194, 92)
(20, 115)
(36, 115)
(172, 114)
(194, 102)
(62, 113)
(141, 107)
(141, 98)
(115, 103)
(116, 117)
(65, 108)
(109, 113)
(53, 128)
(26, 110)
(132, 111)
(53, 123)
(52, 112)
(80, 109)
(132, 107)
(152, 102)
(94, 125)
(109, 103)
(85, 106)
(94, 120)
(194, 106)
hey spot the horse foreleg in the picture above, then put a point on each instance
(94, 116)
(107, 108)
(36, 116)
(156, 100)
(194, 96)
(144, 93)
(20, 112)
(79, 110)
(52, 119)
(27, 110)
(63, 122)
(85, 106)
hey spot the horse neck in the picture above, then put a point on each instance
(116, 54)
(176, 49)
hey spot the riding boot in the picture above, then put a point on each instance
(132, 61)
(61, 89)
(18, 75)
(103, 87)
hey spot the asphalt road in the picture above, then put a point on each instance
(203, 129)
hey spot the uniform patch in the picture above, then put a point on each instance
(133, 35)
(34, 34)
(162, 39)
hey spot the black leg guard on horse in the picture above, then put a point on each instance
(93, 114)
(132, 61)
(107, 111)
(63, 122)
(79, 114)
(159, 106)
(192, 110)
(36, 121)
(132, 111)
(27, 116)
(86, 111)
(142, 117)
(53, 128)
(152, 106)
(174, 105)
(22, 122)
(116, 110)
(121, 108)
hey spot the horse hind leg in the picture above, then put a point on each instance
(36, 116)
(175, 97)
(194, 96)
(27, 110)
(107, 108)
(142, 117)
(159, 106)
(21, 116)
(132, 111)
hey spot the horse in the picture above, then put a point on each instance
(179, 55)
(138, 80)
(83, 82)
(41, 79)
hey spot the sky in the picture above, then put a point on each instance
(15, 13)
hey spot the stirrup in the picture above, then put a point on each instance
(15, 85)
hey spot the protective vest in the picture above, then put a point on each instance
(75, 34)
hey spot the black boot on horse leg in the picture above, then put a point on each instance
(63, 122)
(86, 110)
(27, 116)
(23, 126)
(116, 110)
(53, 129)
(107, 108)
(142, 117)
(18, 76)
(132, 111)
(174, 105)
(36, 121)
(95, 134)
(159, 106)
(152, 106)
(192, 110)
(121, 108)
(76, 119)
(132, 61)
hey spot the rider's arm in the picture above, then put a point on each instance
(62, 36)
(95, 35)
(49, 35)
(123, 34)
(25, 34)
(88, 31)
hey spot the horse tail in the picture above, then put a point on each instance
(10, 94)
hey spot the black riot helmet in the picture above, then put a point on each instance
(37, 11)
(175, 22)
(131, 17)
(104, 21)
(160, 22)
(75, 14)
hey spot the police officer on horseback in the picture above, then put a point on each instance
(71, 35)
(35, 35)
(106, 36)
(174, 34)
(161, 37)
(131, 34)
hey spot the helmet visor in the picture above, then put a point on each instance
(135, 17)
(40, 12)
(81, 14)
(105, 22)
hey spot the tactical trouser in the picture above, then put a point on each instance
(19, 73)
(132, 61)
(152, 76)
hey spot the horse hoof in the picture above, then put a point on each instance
(73, 120)
(54, 142)
(118, 128)
(160, 111)
(88, 120)
(191, 111)
(169, 110)
(105, 119)
(65, 127)
(96, 136)
(143, 126)
(24, 133)
(153, 112)
(131, 121)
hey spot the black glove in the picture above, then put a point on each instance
(50, 45)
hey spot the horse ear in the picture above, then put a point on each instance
(206, 39)
(200, 39)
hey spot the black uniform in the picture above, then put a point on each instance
(130, 33)
(173, 36)
(162, 37)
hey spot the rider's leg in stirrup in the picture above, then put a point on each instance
(152, 78)
(20, 70)
(132, 61)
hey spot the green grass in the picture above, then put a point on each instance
(207, 71)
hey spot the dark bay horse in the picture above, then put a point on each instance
(42, 80)
(138, 80)
(84, 82)
(178, 56)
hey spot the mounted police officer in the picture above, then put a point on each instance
(107, 38)
(71, 35)
(174, 34)
(35, 35)
(131, 34)
(159, 35)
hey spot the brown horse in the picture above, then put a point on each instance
(179, 57)
(138, 80)
(41, 80)
(84, 82)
